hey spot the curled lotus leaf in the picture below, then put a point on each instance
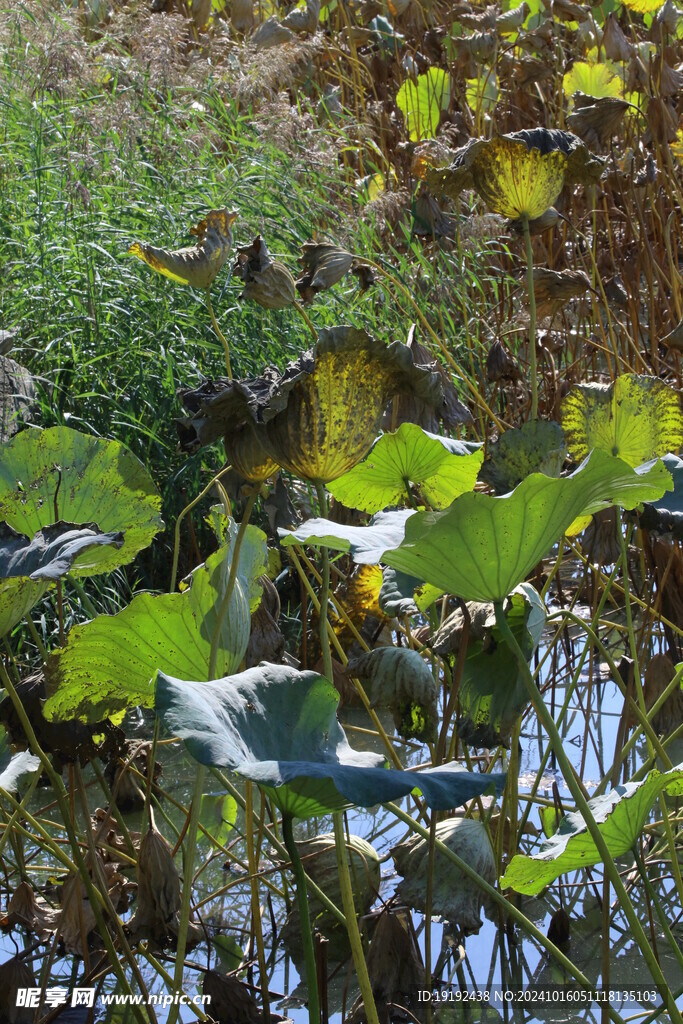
(278, 727)
(197, 265)
(401, 594)
(266, 281)
(400, 679)
(635, 418)
(323, 265)
(62, 474)
(319, 417)
(520, 174)
(453, 895)
(666, 515)
(27, 566)
(439, 468)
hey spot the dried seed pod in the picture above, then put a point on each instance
(266, 281)
(324, 265)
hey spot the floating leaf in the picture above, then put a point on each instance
(482, 547)
(620, 816)
(108, 664)
(365, 544)
(538, 446)
(278, 727)
(635, 418)
(197, 265)
(93, 480)
(438, 467)
(453, 895)
(421, 102)
(400, 679)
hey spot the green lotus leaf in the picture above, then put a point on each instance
(452, 894)
(278, 727)
(422, 101)
(482, 547)
(635, 418)
(27, 566)
(538, 446)
(620, 815)
(400, 679)
(520, 174)
(365, 544)
(401, 594)
(109, 663)
(438, 467)
(13, 767)
(217, 814)
(492, 693)
(665, 515)
(90, 480)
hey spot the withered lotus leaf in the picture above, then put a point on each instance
(324, 265)
(266, 281)
(15, 974)
(158, 890)
(521, 174)
(197, 265)
(595, 120)
(553, 288)
(320, 417)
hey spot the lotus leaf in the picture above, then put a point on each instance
(28, 566)
(453, 549)
(365, 544)
(13, 767)
(666, 515)
(217, 815)
(620, 815)
(401, 680)
(324, 265)
(90, 480)
(644, 6)
(278, 727)
(538, 446)
(635, 418)
(591, 79)
(492, 693)
(421, 102)
(453, 895)
(319, 417)
(266, 281)
(108, 664)
(197, 265)
(520, 174)
(440, 469)
(401, 594)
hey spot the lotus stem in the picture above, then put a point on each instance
(304, 919)
(302, 313)
(223, 339)
(582, 806)
(324, 592)
(176, 535)
(255, 898)
(359, 961)
(532, 317)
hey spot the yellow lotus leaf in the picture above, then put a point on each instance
(635, 418)
(196, 265)
(362, 593)
(518, 182)
(592, 79)
(246, 454)
(644, 6)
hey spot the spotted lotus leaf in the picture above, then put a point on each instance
(536, 447)
(635, 418)
(197, 265)
(520, 174)
(320, 417)
(401, 680)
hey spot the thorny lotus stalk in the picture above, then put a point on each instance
(611, 870)
(305, 920)
(532, 317)
(223, 339)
